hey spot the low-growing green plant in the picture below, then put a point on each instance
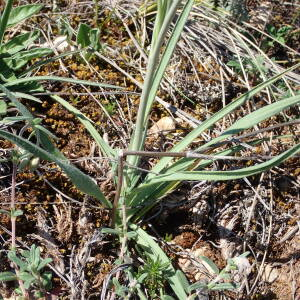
(279, 35)
(251, 67)
(222, 278)
(153, 274)
(88, 39)
(15, 53)
(30, 272)
(136, 194)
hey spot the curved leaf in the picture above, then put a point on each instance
(186, 141)
(254, 118)
(220, 175)
(4, 19)
(82, 181)
(8, 276)
(61, 79)
(105, 148)
(155, 73)
(22, 12)
(19, 42)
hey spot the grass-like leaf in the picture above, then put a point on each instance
(8, 276)
(254, 118)
(22, 108)
(60, 79)
(216, 117)
(154, 76)
(82, 181)
(4, 19)
(105, 148)
(24, 96)
(225, 175)
(19, 42)
(22, 12)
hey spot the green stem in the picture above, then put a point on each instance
(142, 119)
(4, 19)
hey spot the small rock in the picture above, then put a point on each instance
(164, 124)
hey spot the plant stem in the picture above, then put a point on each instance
(119, 186)
(96, 12)
(13, 224)
(12, 207)
(4, 19)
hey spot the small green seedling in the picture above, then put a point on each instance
(31, 272)
(88, 37)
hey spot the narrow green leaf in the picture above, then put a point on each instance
(167, 297)
(150, 194)
(24, 96)
(3, 107)
(82, 181)
(152, 250)
(223, 286)
(226, 175)
(16, 213)
(26, 253)
(22, 12)
(142, 278)
(111, 231)
(8, 276)
(186, 141)
(244, 123)
(34, 257)
(181, 276)
(15, 119)
(254, 118)
(19, 42)
(197, 286)
(172, 42)
(27, 278)
(46, 131)
(60, 79)
(4, 19)
(22, 108)
(49, 146)
(13, 257)
(154, 76)
(210, 264)
(105, 148)
(157, 191)
(20, 59)
(6, 73)
(48, 61)
(43, 263)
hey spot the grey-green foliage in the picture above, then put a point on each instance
(18, 51)
(30, 271)
(221, 279)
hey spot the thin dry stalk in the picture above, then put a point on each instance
(13, 225)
